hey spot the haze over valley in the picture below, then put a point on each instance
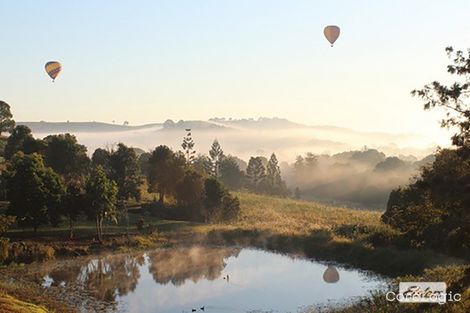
(241, 137)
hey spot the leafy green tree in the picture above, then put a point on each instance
(188, 146)
(34, 190)
(66, 156)
(74, 202)
(125, 172)
(69, 159)
(166, 169)
(255, 173)
(230, 174)
(6, 118)
(190, 190)
(102, 157)
(144, 163)
(21, 139)
(102, 197)
(453, 98)
(216, 154)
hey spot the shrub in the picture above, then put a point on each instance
(230, 207)
(5, 222)
(140, 224)
(21, 252)
(4, 247)
(219, 203)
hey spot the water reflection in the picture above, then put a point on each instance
(196, 263)
(218, 279)
(106, 278)
(331, 275)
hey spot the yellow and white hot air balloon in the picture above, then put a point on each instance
(53, 69)
(331, 33)
(331, 275)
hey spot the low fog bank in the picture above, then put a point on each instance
(244, 138)
(361, 179)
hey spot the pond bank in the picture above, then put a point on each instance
(354, 238)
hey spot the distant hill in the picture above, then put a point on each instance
(240, 137)
(194, 125)
(73, 127)
(262, 122)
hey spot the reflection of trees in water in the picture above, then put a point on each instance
(105, 277)
(117, 275)
(179, 264)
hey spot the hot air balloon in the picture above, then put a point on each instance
(331, 33)
(53, 69)
(331, 275)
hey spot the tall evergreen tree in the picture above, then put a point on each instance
(188, 146)
(273, 172)
(274, 183)
(255, 173)
(216, 154)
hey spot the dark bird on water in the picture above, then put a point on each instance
(202, 308)
(193, 310)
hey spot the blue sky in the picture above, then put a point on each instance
(146, 61)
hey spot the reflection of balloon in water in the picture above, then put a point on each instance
(331, 275)
(53, 69)
(331, 33)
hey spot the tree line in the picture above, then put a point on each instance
(51, 179)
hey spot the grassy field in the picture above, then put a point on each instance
(288, 216)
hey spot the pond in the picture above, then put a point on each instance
(210, 279)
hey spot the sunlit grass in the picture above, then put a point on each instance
(13, 305)
(288, 216)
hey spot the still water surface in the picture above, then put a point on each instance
(214, 279)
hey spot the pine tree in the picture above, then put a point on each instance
(274, 183)
(216, 153)
(188, 146)
(255, 172)
(273, 172)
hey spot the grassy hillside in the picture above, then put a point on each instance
(283, 215)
